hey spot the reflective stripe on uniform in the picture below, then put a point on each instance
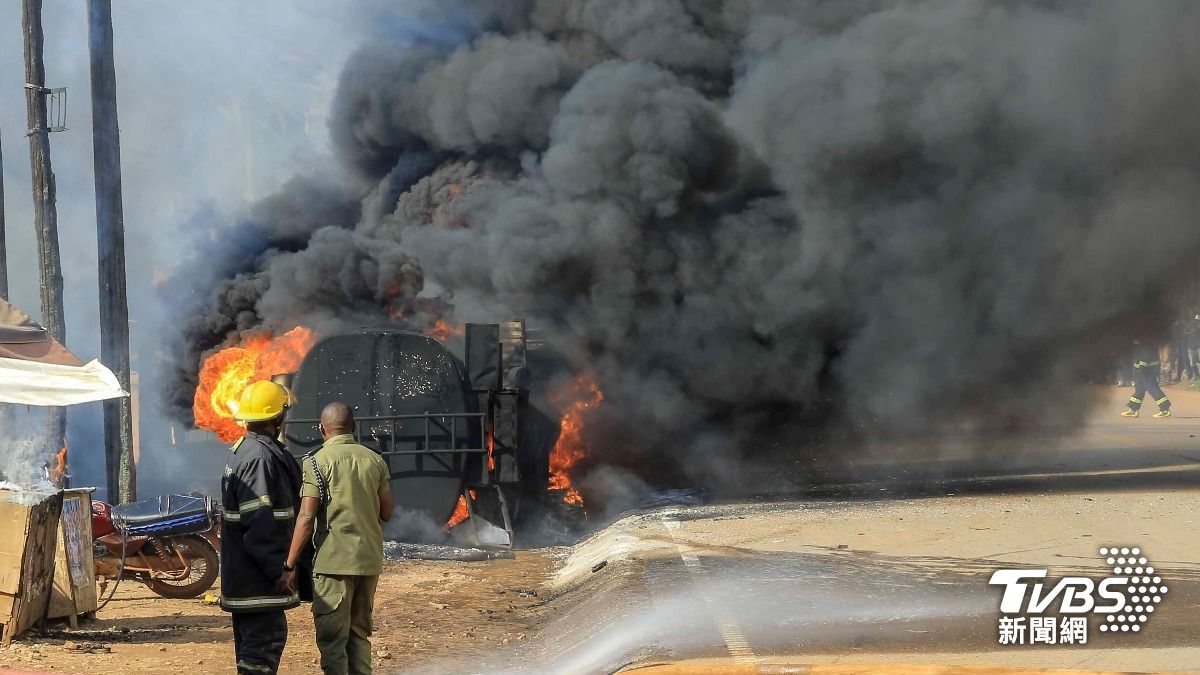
(1144, 364)
(260, 601)
(1161, 400)
(1133, 399)
(264, 500)
(235, 515)
(279, 514)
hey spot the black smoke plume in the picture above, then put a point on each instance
(759, 216)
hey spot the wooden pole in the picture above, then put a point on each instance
(5, 408)
(3, 244)
(110, 240)
(45, 215)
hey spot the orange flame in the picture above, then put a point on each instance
(491, 440)
(441, 331)
(59, 471)
(461, 512)
(584, 394)
(396, 307)
(227, 372)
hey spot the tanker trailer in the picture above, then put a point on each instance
(447, 429)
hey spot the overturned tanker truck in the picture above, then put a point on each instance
(447, 429)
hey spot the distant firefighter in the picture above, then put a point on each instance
(1193, 345)
(1181, 357)
(1146, 367)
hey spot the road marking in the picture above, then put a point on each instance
(735, 641)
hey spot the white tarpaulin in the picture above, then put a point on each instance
(51, 384)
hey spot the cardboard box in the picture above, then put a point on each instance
(74, 590)
(28, 538)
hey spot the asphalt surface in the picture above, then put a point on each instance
(884, 556)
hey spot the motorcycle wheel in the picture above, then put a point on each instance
(205, 568)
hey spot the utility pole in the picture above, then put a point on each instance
(45, 215)
(3, 245)
(110, 240)
(4, 409)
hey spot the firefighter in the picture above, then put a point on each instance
(259, 493)
(1146, 368)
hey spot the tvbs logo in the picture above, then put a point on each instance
(1036, 611)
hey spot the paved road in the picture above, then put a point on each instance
(884, 557)
(1107, 452)
(882, 554)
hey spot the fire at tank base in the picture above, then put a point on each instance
(477, 531)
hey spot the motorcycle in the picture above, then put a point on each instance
(171, 544)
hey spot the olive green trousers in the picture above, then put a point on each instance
(342, 606)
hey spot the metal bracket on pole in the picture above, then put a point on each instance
(56, 108)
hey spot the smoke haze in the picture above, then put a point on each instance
(751, 221)
(218, 102)
(747, 216)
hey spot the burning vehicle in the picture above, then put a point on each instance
(450, 434)
(464, 443)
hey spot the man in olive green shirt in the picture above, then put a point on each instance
(344, 497)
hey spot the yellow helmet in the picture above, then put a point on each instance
(261, 401)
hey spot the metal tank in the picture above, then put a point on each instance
(446, 429)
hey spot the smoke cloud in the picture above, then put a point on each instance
(751, 220)
(23, 456)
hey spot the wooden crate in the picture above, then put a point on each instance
(74, 590)
(28, 535)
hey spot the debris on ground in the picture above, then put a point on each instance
(86, 647)
(396, 550)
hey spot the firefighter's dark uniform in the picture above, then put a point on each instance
(1146, 368)
(259, 493)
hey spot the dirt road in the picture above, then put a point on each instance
(425, 610)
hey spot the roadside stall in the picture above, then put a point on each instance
(45, 570)
(28, 529)
(73, 592)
